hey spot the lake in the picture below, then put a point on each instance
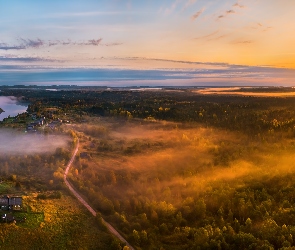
(11, 106)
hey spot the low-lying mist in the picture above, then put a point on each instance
(14, 142)
(180, 156)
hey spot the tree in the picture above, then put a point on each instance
(248, 225)
(113, 178)
(136, 237)
(154, 216)
(143, 237)
(269, 230)
(163, 229)
(244, 240)
(115, 245)
(230, 216)
(13, 177)
(17, 185)
(200, 209)
(106, 206)
(236, 225)
(201, 237)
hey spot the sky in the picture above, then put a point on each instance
(148, 42)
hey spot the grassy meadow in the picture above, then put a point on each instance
(59, 223)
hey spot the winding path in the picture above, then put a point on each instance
(90, 209)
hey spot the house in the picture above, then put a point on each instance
(11, 203)
(15, 203)
(40, 122)
(4, 203)
(37, 123)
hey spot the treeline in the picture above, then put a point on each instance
(250, 115)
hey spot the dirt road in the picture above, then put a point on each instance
(91, 210)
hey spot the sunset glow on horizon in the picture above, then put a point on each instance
(199, 42)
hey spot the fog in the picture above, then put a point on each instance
(186, 158)
(236, 91)
(16, 142)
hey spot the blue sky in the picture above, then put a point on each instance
(177, 42)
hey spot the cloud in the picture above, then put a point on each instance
(212, 37)
(259, 26)
(209, 35)
(230, 12)
(94, 42)
(9, 58)
(208, 73)
(69, 42)
(263, 27)
(86, 14)
(197, 14)
(243, 42)
(37, 43)
(29, 43)
(112, 44)
(52, 43)
(218, 37)
(5, 46)
(174, 61)
(237, 5)
(200, 72)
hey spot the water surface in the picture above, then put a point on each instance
(11, 106)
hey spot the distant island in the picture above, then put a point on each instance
(1, 110)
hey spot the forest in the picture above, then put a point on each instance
(169, 169)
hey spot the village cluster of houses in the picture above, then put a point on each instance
(11, 203)
(36, 123)
(32, 127)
